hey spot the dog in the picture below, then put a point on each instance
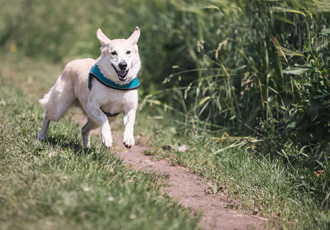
(102, 88)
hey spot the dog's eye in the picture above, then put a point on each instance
(128, 52)
(114, 53)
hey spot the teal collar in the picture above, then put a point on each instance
(95, 72)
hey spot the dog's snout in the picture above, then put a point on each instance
(122, 65)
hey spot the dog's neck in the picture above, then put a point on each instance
(98, 75)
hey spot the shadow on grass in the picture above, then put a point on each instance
(65, 142)
(71, 146)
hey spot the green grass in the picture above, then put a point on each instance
(265, 186)
(57, 184)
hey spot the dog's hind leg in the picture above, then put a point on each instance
(90, 125)
(43, 134)
(57, 102)
(60, 98)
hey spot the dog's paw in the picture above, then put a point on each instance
(106, 137)
(128, 141)
(42, 137)
(107, 142)
(86, 141)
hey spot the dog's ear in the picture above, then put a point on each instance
(104, 40)
(135, 36)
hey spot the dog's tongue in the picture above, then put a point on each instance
(122, 73)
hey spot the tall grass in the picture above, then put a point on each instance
(267, 78)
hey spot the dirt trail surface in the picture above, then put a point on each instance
(189, 189)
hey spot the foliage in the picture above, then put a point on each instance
(309, 121)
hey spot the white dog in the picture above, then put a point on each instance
(102, 89)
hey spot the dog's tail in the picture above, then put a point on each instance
(45, 100)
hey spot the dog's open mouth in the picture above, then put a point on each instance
(121, 73)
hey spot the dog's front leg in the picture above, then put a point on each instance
(129, 120)
(96, 114)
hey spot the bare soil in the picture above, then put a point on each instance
(191, 190)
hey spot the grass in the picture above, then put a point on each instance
(263, 185)
(58, 184)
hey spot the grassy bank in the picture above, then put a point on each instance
(60, 185)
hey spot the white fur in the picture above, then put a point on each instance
(71, 89)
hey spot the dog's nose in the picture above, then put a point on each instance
(122, 65)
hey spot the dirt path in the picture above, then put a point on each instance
(190, 190)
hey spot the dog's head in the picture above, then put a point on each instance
(119, 60)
